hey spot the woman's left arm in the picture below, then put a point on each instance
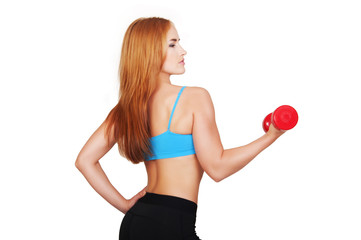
(88, 164)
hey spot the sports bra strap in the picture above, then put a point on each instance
(175, 104)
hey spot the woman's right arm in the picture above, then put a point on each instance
(217, 162)
(88, 164)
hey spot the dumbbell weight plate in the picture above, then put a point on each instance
(284, 117)
(267, 122)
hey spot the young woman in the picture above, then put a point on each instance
(170, 128)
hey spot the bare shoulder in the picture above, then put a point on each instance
(199, 97)
(198, 90)
(199, 93)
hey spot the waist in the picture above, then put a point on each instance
(176, 203)
(169, 187)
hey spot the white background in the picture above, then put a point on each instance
(58, 72)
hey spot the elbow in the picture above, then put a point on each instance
(79, 164)
(83, 163)
(215, 170)
(216, 173)
(213, 173)
(217, 177)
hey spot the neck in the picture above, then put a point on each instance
(164, 78)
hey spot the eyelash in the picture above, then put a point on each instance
(172, 45)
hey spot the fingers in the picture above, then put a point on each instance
(140, 194)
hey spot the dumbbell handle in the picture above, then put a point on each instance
(283, 118)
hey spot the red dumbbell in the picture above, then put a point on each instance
(283, 118)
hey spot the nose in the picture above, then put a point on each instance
(182, 51)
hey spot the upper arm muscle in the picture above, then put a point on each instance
(206, 139)
(95, 148)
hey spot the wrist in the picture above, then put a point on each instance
(274, 135)
(124, 206)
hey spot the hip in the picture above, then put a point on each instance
(157, 216)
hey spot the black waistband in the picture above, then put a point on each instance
(174, 202)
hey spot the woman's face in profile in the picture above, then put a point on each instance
(173, 63)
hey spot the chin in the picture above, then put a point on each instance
(179, 73)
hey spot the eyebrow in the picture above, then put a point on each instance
(174, 40)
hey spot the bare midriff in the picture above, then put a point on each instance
(178, 176)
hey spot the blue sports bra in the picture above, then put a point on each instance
(169, 144)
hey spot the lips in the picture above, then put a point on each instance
(182, 61)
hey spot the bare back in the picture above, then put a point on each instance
(178, 176)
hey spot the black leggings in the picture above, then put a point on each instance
(158, 217)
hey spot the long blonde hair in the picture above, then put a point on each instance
(142, 56)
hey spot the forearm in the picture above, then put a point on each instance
(96, 177)
(234, 159)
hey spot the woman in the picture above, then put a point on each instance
(172, 129)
